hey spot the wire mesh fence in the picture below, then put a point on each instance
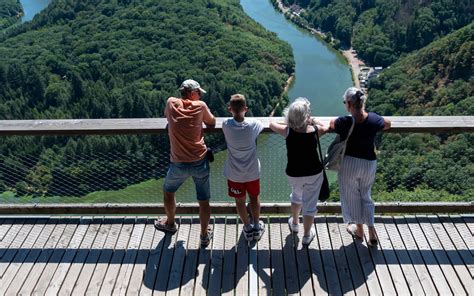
(131, 169)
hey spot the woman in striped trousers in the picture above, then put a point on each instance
(357, 173)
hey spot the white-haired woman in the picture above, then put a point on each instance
(304, 168)
(357, 173)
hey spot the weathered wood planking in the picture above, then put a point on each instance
(263, 262)
(228, 271)
(176, 272)
(44, 227)
(357, 275)
(421, 255)
(217, 257)
(441, 256)
(36, 260)
(146, 246)
(340, 257)
(391, 259)
(158, 125)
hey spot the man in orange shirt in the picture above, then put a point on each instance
(188, 155)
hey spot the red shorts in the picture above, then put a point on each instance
(239, 190)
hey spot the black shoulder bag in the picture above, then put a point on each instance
(324, 192)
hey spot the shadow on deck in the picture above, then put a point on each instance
(110, 255)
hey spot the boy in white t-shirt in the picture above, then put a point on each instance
(242, 167)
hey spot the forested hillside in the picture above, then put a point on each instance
(436, 80)
(123, 59)
(10, 13)
(382, 30)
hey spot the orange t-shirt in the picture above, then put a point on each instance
(185, 118)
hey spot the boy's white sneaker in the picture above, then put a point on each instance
(307, 239)
(258, 230)
(248, 232)
(293, 227)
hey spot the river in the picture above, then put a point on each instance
(321, 73)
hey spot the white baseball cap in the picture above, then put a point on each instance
(191, 85)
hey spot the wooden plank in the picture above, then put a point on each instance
(30, 271)
(469, 220)
(203, 268)
(357, 275)
(276, 256)
(428, 257)
(217, 257)
(340, 257)
(8, 254)
(70, 239)
(117, 258)
(117, 230)
(263, 261)
(289, 259)
(368, 267)
(463, 231)
(241, 269)
(381, 268)
(458, 242)
(222, 208)
(192, 253)
(5, 225)
(228, 271)
(128, 262)
(389, 253)
(316, 263)
(302, 262)
(114, 126)
(90, 262)
(164, 267)
(332, 278)
(176, 273)
(146, 246)
(252, 268)
(43, 227)
(442, 256)
(415, 255)
(153, 264)
(66, 275)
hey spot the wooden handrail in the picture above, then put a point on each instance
(400, 124)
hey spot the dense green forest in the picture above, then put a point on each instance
(382, 30)
(123, 59)
(10, 13)
(436, 80)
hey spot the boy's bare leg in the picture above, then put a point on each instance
(204, 216)
(242, 210)
(169, 202)
(255, 208)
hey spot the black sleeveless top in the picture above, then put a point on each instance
(302, 153)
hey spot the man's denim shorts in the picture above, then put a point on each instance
(178, 172)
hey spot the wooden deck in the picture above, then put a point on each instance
(421, 255)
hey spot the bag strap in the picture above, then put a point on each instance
(348, 135)
(319, 148)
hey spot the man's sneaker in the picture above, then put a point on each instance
(258, 230)
(206, 239)
(248, 232)
(293, 227)
(161, 225)
(307, 239)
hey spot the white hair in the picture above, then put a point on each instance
(298, 113)
(356, 96)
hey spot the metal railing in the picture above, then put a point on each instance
(124, 161)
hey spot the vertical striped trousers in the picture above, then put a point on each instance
(356, 177)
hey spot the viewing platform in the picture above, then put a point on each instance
(96, 255)
(76, 233)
